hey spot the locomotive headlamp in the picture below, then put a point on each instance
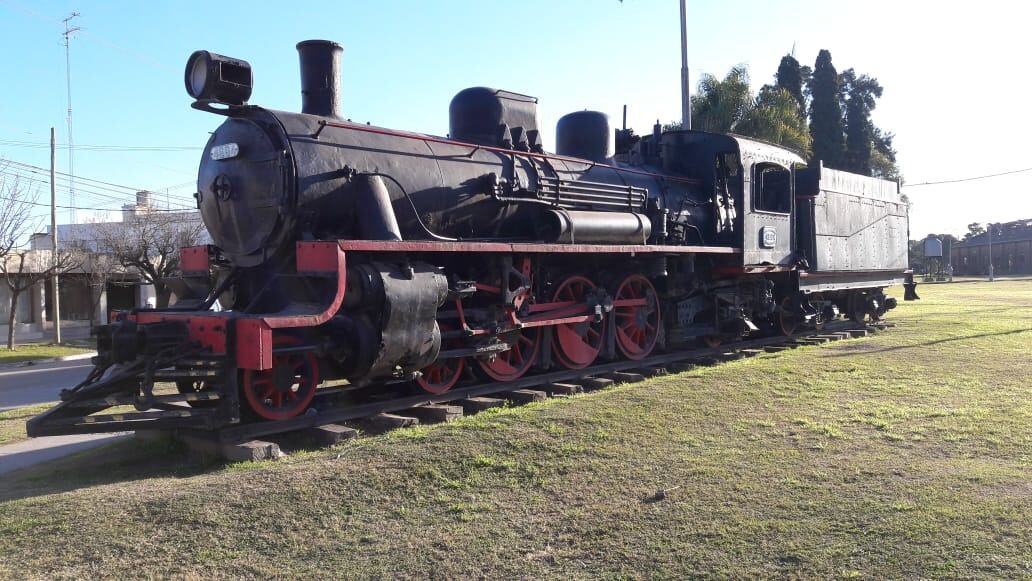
(216, 78)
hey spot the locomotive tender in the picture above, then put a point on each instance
(343, 251)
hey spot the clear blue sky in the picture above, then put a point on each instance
(404, 60)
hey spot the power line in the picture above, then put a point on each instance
(994, 175)
(31, 203)
(88, 189)
(113, 148)
(123, 202)
(181, 203)
(79, 178)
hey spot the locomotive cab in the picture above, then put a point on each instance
(769, 216)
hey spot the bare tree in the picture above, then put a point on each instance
(16, 224)
(98, 268)
(148, 241)
(23, 269)
(15, 213)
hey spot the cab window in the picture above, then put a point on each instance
(772, 188)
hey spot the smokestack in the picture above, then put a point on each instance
(320, 77)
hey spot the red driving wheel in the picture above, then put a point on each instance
(636, 307)
(576, 345)
(787, 318)
(285, 390)
(443, 374)
(524, 346)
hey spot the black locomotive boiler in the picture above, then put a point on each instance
(350, 255)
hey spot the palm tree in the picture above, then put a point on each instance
(728, 106)
(776, 117)
(721, 104)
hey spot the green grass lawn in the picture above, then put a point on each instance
(12, 422)
(907, 454)
(24, 353)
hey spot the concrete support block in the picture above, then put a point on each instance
(653, 371)
(473, 405)
(596, 382)
(381, 423)
(435, 414)
(626, 377)
(563, 389)
(206, 446)
(525, 395)
(331, 434)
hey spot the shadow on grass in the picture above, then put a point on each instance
(123, 461)
(853, 352)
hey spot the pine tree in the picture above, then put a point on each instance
(826, 113)
(789, 77)
(861, 93)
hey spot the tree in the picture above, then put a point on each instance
(15, 225)
(15, 213)
(974, 229)
(775, 117)
(98, 268)
(860, 95)
(790, 78)
(826, 113)
(883, 156)
(719, 105)
(728, 106)
(23, 269)
(148, 242)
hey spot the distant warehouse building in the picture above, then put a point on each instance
(1011, 250)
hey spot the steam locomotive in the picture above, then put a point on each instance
(343, 251)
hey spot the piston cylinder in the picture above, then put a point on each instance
(575, 227)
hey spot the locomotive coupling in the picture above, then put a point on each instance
(125, 341)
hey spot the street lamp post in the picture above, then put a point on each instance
(686, 101)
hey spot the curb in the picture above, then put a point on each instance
(76, 357)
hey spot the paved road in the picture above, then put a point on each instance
(40, 383)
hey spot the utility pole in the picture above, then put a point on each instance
(686, 102)
(69, 29)
(989, 231)
(55, 297)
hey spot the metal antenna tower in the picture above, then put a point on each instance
(69, 29)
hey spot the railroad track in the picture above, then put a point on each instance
(331, 425)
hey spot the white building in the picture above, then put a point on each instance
(83, 296)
